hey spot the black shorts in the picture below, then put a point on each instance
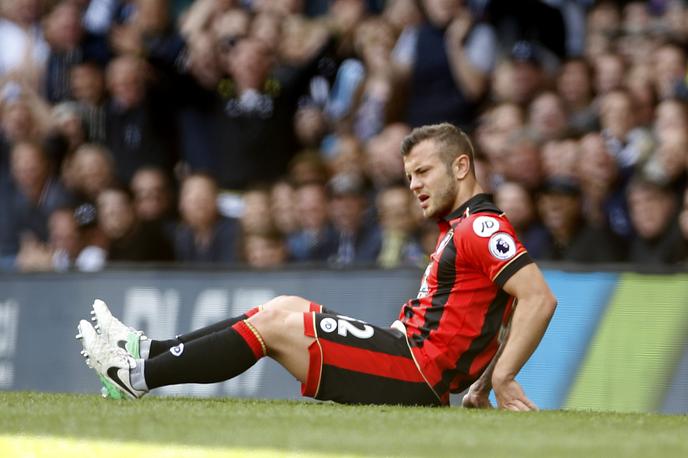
(354, 362)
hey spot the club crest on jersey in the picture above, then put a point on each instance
(502, 246)
(485, 226)
(443, 244)
(445, 241)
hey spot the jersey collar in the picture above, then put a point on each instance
(465, 208)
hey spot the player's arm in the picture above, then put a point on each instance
(478, 395)
(536, 305)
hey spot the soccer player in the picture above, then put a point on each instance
(444, 340)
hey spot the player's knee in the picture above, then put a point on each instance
(276, 324)
(284, 302)
(269, 319)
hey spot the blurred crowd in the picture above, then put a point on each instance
(267, 132)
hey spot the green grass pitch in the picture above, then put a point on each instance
(40, 424)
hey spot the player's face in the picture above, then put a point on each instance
(431, 180)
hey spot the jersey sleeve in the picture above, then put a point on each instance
(489, 243)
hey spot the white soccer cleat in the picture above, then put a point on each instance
(110, 362)
(114, 331)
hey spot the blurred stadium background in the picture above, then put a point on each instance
(185, 160)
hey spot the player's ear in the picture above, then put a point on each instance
(461, 166)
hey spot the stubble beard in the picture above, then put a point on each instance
(443, 203)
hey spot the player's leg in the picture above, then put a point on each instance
(141, 346)
(289, 303)
(276, 331)
(215, 356)
(282, 330)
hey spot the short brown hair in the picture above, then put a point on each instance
(452, 141)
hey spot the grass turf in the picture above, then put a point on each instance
(216, 427)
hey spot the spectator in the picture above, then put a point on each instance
(256, 217)
(520, 78)
(572, 239)
(638, 38)
(35, 256)
(202, 61)
(64, 33)
(345, 155)
(35, 194)
(135, 125)
(256, 118)
(520, 161)
(669, 61)
(673, 15)
(65, 250)
(560, 158)
(234, 23)
(379, 98)
(130, 240)
(23, 117)
(68, 129)
(604, 19)
(91, 170)
(653, 210)
(667, 164)
(265, 250)
(402, 13)
(399, 245)
(64, 239)
(204, 236)
(342, 18)
(626, 141)
(541, 22)
(448, 58)
(93, 256)
(497, 125)
(153, 195)
(515, 200)
(267, 27)
(74, 243)
(383, 162)
(87, 87)
(357, 240)
(315, 240)
(310, 125)
(603, 190)
(199, 16)
(308, 167)
(283, 206)
(24, 50)
(547, 117)
(145, 29)
(670, 117)
(609, 73)
(639, 82)
(574, 85)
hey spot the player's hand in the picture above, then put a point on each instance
(510, 396)
(476, 398)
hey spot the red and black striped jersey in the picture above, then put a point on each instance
(453, 323)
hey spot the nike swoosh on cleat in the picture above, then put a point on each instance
(112, 373)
